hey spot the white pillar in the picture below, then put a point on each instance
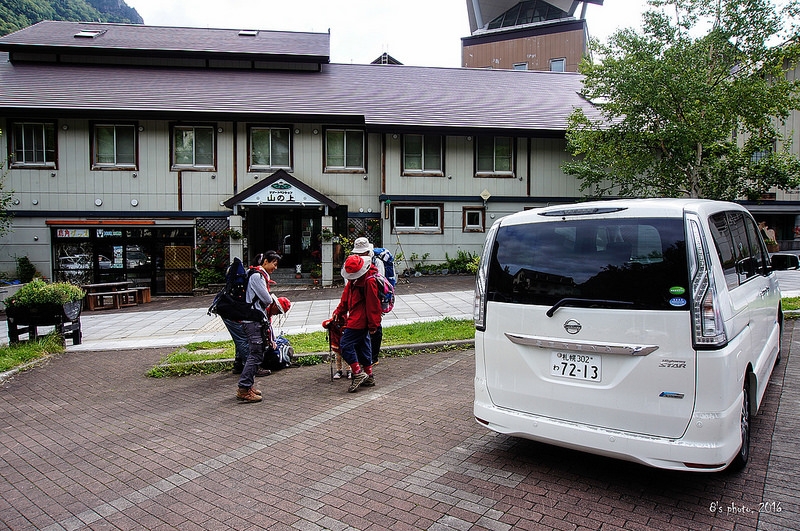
(236, 247)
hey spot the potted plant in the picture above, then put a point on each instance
(39, 303)
(772, 246)
(316, 273)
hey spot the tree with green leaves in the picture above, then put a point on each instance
(692, 105)
(18, 14)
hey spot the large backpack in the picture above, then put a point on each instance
(385, 292)
(231, 301)
(388, 263)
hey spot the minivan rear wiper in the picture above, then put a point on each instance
(586, 303)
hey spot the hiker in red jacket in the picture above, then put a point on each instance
(360, 306)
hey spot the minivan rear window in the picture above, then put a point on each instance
(639, 261)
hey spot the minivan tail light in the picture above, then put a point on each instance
(709, 331)
(479, 304)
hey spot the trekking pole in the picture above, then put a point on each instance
(403, 253)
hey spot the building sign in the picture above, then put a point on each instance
(106, 233)
(281, 193)
(72, 233)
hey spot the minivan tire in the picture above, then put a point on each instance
(740, 461)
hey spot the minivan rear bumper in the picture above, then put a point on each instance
(709, 444)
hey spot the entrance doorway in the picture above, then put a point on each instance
(293, 232)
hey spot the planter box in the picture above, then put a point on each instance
(65, 318)
(6, 291)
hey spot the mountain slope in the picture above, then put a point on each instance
(17, 14)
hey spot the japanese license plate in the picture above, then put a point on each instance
(576, 366)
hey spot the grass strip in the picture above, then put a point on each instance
(310, 348)
(21, 354)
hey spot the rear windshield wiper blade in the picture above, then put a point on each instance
(586, 303)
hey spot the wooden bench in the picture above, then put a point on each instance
(125, 297)
(142, 294)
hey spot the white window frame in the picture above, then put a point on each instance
(428, 172)
(494, 172)
(417, 226)
(467, 213)
(116, 164)
(361, 168)
(193, 165)
(22, 129)
(271, 131)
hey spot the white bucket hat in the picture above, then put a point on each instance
(361, 246)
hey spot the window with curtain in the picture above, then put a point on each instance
(422, 155)
(193, 147)
(270, 147)
(494, 155)
(114, 146)
(33, 144)
(344, 150)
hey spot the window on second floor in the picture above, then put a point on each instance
(193, 147)
(418, 217)
(520, 66)
(270, 147)
(345, 150)
(558, 65)
(33, 145)
(422, 155)
(114, 146)
(494, 156)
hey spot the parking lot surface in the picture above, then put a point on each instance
(89, 442)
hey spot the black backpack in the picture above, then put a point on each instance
(231, 301)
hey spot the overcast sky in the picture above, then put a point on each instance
(415, 32)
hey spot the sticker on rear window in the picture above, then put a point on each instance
(677, 290)
(677, 301)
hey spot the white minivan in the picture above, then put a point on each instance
(642, 329)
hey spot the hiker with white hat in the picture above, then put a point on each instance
(360, 306)
(363, 247)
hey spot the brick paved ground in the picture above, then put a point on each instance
(89, 442)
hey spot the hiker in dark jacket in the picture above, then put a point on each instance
(257, 292)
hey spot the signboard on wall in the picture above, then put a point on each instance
(281, 193)
(72, 233)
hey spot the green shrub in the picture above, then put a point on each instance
(38, 292)
(462, 262)
(209, 276)
(26, 271)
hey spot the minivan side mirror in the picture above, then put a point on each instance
(784, 261)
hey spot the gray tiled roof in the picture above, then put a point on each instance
(384, 95)
(393, 97)
(121, 37)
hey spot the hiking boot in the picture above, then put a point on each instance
(248, 395)
(337, 375)
(369, 382)
(358, 379)
(263, 372)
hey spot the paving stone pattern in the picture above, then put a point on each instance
(89, 442)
